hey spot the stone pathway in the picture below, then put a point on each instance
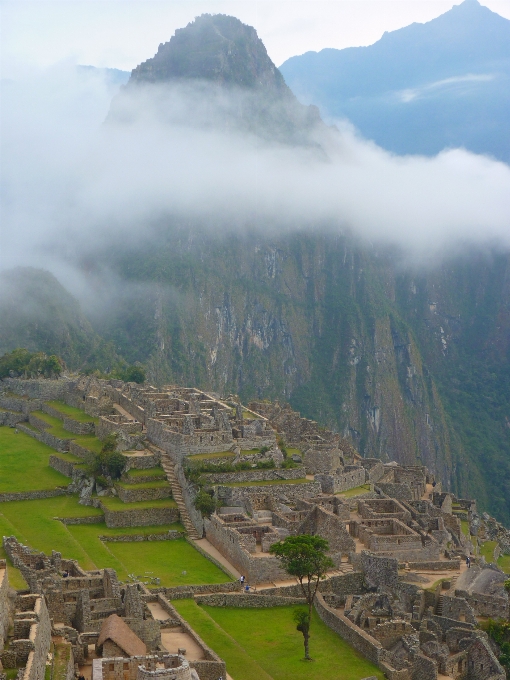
(169, 468)
(213, 552)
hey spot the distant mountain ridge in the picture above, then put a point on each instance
(422, 88)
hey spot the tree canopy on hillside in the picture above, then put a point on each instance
(22, 363)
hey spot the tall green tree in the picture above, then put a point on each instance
(306, 558)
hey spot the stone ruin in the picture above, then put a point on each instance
(109, 628)
(399, 593)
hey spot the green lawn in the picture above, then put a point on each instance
(487, 550)
(271, 482)
(357, 491)
(24, 464)
(116, 505)
(504, 563)
(149, 472)
(263, 644)
(32, 523)
(56, 428)
(156, 484)
(71, 412)
(464, 524)
(176, 563)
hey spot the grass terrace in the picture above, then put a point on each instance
(263, 644)
(71, 412)
(487, 550)
(156, 484)
(56, 428)
(464, 525)
(504, 563)
(271, 482)
(20, 454)
(176, 563)
(144, 474)
(357, 491)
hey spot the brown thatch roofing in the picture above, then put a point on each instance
(116, 630)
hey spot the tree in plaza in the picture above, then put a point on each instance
(304, 557)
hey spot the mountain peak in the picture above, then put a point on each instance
(216, 48)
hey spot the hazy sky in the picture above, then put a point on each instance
(122, 33)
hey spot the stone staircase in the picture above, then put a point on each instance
(169, 468)
(439, 606)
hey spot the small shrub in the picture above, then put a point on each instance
(288, 463)
(205, 503)
(265, 464)
(109, 443)
(264, 449)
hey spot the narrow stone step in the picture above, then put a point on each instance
(169, 470)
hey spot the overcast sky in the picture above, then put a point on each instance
(122, 33)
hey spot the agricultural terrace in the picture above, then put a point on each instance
(24, 466)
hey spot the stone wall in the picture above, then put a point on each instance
(40, 639)
(115, 425)
(134, 493)
(186, 592)
(255, 569)
(38, 388)
(486, 605)
(65, 467)
(323, 523)
(178, 445)
(19, 404)
(343, 481)
(356, 637)
(402, 492)
(60, 445)
(130, 538)
(144, 462)
(374, 468)
(140, 518)
(31, 495)
(255, 475)
(379, 571)
(4, 603)
(323, 461)
(81, 452)
(236, 495)
(248, 600)
(11, 418)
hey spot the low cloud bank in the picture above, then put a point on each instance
(72, 185)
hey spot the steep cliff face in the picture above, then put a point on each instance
(312, 320)
(410, 366)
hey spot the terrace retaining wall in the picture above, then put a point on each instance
(139, 517)
(272, 474)
(248, 600)
(135, 494)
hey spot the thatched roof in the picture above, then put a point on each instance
(116, 630)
